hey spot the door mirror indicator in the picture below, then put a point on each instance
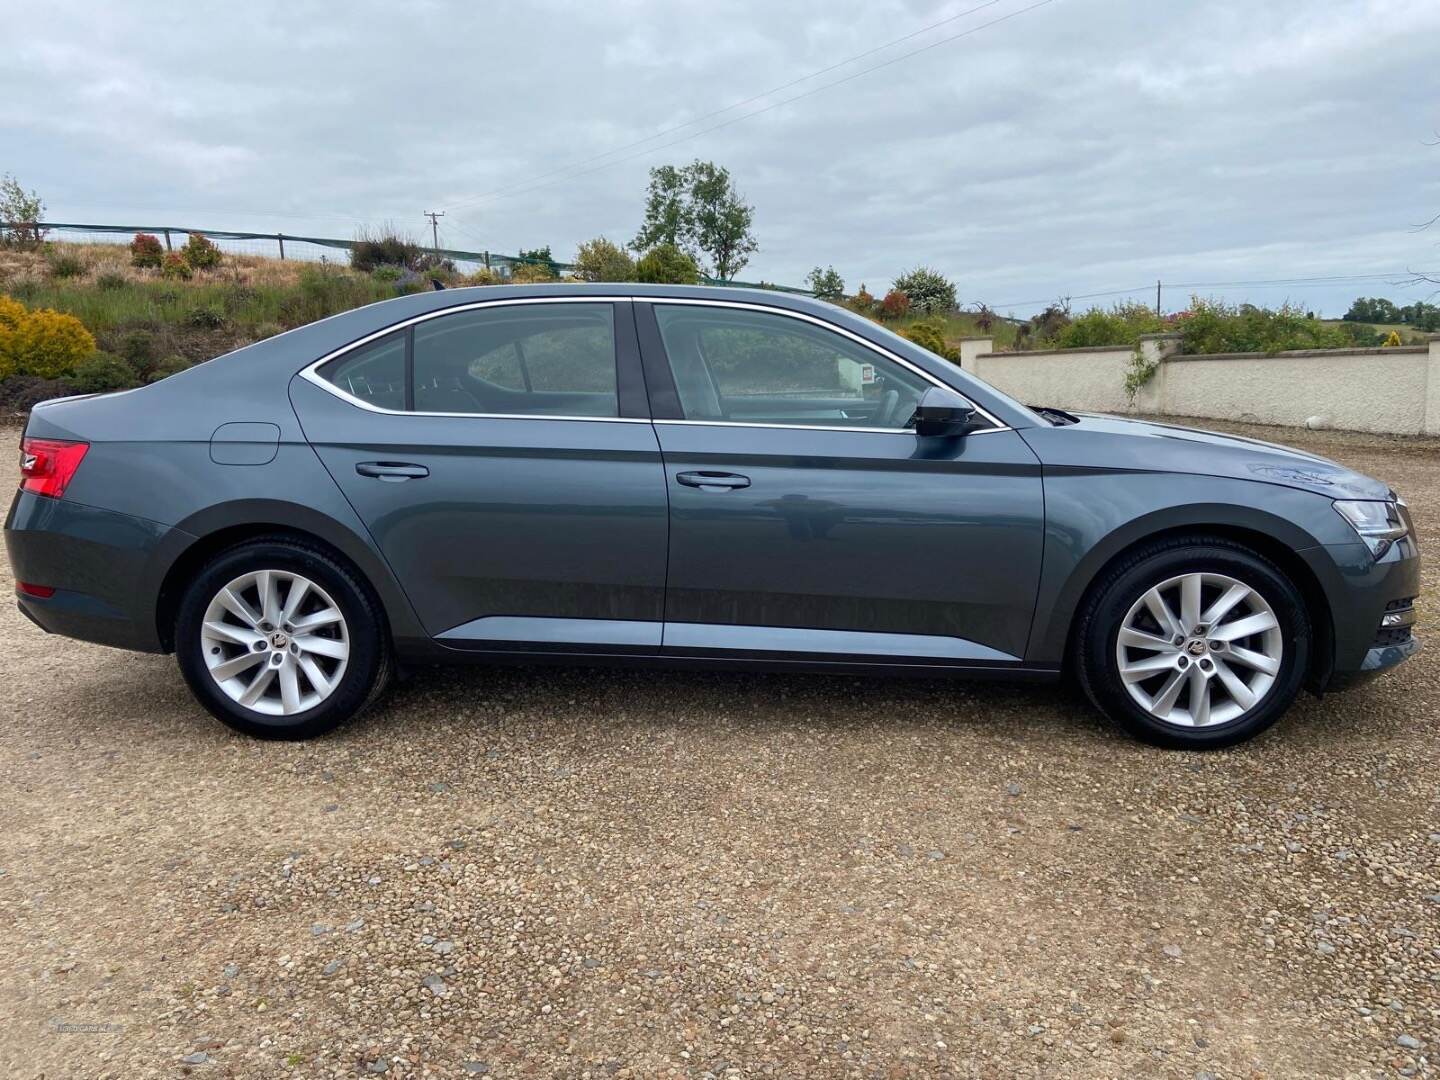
(942, 413)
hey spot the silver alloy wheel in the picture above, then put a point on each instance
(1199, 649)
(275, 642)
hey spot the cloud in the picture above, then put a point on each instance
(1076, 148)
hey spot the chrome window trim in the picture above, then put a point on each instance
(310, 372)
(880, 350)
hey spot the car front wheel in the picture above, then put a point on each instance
(280, 640)
(1194, 644)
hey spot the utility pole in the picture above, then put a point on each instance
(1158, 315)
(435, 217)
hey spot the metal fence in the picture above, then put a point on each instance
(309, 248)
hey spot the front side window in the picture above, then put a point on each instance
(742, 366)
(512, 360)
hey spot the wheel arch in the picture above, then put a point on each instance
(1274, 539)
(223, 527)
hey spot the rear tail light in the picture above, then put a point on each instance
(25, 588)
(47, 465)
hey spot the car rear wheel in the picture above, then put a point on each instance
(1194, 643)
(280, 640)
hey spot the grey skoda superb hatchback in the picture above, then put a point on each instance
(687, 476)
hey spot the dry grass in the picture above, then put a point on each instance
(35, 268)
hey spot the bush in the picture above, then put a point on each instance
(927, 335)
(601, 260)
(146, 251)
(21, 393)
(1212, 326)
(137, 348)
(862, 303)
(206, 318)
(23, 209)
(201, 253)
(1122, 324)
(175, 267)
(100, 373)
(483, 276)
(666, 264)
(1041, 331)
(526, 273)
(44, 343)
(64, 267)
(895, 305)
(930, 292)
(826, 284)
(171, 365)
(110, 281)
(11, 312)
(386, 248)
(387, 273)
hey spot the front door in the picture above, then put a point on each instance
(808, 522)
(502, 460)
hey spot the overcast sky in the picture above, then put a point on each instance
(1083, 146)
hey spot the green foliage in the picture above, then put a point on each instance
(1213, 326)
(65, 267)
(930, 334)
(601, 260)
(138, 348)
(826, 284)
(384, 248)
(111, 281)
(205, 318)
(528, 272)
(930, 292)
(539, 256)
(174, 267)
(146, 251)
(387, 273)
(101, 372)
(666, 264)
(1140, 371)
(698, 210)
(1121, 324)
(896, 305)
(1042, 330)
(23, 210)
(171, 365)
(200, 252)
(1419, 315)
(44, 343)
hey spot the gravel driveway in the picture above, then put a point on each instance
(592, 874)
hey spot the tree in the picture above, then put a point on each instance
(667, 211)
(721, 219)
(537, 257)
(600, 260)
(696, 209)
(930, 292)
(666, 264)
(826, 284)
(22, 210)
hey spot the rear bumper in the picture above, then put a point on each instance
(105, 569)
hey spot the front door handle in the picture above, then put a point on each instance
(713, 481)
(393, 471)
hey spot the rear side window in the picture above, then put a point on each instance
(512, 360)
(374, 373)
(523, 359)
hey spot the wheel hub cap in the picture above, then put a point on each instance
(275, 642)
(1199, 649)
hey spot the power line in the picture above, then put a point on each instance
(737, 104)
(521, 189)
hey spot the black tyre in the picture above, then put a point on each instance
(281, 640)
(1194, 643)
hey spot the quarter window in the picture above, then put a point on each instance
(744, 366)
(374, 373)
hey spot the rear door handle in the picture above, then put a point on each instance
(713, 481)
(393, 471)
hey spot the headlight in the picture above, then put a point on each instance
(1378, 523)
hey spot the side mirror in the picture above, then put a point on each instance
(943, 413)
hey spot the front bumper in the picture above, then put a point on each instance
(105, 569)
(1371, 606)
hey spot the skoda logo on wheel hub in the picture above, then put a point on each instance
(1197, 647)
(278, 640)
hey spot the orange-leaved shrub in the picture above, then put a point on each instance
(146, 251)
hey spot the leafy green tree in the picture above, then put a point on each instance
(600, 260)
(537, 257)
(667, 211)
(666, 264)
(721, 219)
(826, 284)
(696, 209)
(930, 292)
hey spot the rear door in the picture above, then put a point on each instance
(502, 457)
(807, 521)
